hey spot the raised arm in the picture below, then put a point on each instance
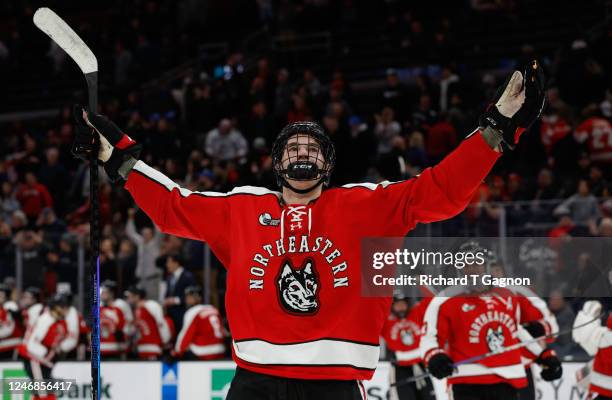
(175, 210)
(445, 190)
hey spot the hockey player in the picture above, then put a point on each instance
(31, 307)
(11, 324)
(537, 319)
(128, 326)
(73, 345)
(300, 327)
(402, 334)
(462, 322)
(596, 340)
(202, 335)
(153, 333)
(41, 344)
(112, 323)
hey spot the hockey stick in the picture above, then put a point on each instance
(513, 347)
(55, 27)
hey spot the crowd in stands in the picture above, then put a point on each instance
(214, 130)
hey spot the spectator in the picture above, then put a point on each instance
(33, 196)
(394, 94)
(127, 262)
(260, 124)
(63, 261)
(553, 129)
(441, 139)
(424, 115)
(226, 143)
(311, 83)
(592, 132)
(9, 202)
(416, 154)
(177, 280)
(299, 109)
(282, 95)
(55, 177)
(33, 255)
(148, 243)
(448, 86)
(605, 227)
(564, 314)
(51, 226)
(582, 206)
(386, 129)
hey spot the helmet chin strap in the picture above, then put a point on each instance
(286, 184)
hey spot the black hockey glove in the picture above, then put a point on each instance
(440, 365)
(551, 365)
(116, 150)
(535, 329)
(517, 104)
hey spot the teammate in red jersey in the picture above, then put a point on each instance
(11, 324)
(462, 322)
(537, 319)
(112, 323)
(42, 341)
(152, 331)
(402, 334)
(596, 339)
(202, 336)
(300, 327)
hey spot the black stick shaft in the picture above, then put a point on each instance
(94, 237)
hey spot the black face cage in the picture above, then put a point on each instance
(301, 166)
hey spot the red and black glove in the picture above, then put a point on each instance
(551, 365)
(517, 104)
(440, 365)
(116, 150)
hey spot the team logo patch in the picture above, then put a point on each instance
(298, 289)
(407, 337)
(266, 220)
(495, 339)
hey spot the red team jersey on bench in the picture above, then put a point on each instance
(293, 298)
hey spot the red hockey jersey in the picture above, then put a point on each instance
(30, 314)
(294, 302)
(43, 338)
(403, 336)
(596, 132)
(596, 341)
(534, 309)
(11, 329)
(111, 323)
(202, 333)
(152, 330)
(466, 325)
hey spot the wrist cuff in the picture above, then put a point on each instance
(493, 137)
(125, 168)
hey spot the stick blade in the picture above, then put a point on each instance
(51, 24)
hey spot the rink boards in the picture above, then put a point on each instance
(210, 381)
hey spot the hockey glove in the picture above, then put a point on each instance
(116, 150)
(440, 365)
(551, 365)
(535, 329)
(517, 104)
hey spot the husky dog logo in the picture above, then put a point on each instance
(495, 339)
(298, 290)
(407, 337)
